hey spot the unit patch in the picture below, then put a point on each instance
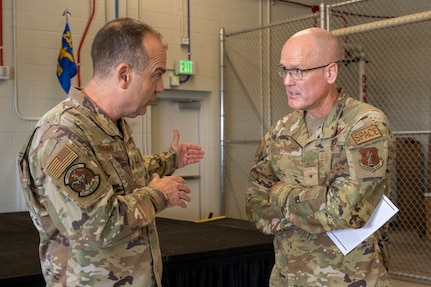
(370, 159)
(366, 134)
(81, 179)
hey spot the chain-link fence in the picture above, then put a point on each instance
(386, 63)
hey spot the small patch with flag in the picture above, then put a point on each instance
(61, 161)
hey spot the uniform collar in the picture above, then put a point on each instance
(98, 116)
(331, 124)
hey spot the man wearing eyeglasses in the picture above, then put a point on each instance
(323, 167)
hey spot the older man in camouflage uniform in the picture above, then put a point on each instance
(91, 194)
(323, 167)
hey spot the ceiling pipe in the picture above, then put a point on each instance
(188, 35)
(1, 32)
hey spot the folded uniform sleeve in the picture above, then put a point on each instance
(353, 187)
(264, 216)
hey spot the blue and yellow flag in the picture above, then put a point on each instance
(66, 67)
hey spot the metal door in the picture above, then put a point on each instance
(182, 114)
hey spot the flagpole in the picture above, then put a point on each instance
(66, 13)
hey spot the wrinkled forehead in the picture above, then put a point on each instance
(156, 52)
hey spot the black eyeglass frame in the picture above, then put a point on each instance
(283, 71)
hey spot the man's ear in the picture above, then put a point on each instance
(123, 73)
(332, 73)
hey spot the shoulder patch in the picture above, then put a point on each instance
(81, 179)
(61, 161)
(370, 159)
(366, 134)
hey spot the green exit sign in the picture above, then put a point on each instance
(185, 67)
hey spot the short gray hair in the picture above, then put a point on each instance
(121, 40)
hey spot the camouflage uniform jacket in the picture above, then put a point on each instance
(331, 180)
(85, 184)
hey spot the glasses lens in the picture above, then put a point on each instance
(281, 71)
(296, 74)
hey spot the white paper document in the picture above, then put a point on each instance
(347, 239)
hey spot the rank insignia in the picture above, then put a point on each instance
(370, 159)
(81, 179)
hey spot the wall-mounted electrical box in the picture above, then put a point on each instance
(4, 73)
(185, 67)
(185, 41)
(174, 81)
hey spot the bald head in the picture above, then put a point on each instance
(313, 46)
(309, 59)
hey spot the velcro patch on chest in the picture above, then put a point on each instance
(366, 134)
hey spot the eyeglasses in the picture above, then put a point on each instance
(295, 73)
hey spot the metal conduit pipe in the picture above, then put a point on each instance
(323, 17)
(189, 54)
(106, 11)
(345, 3)
(116, 9)
(1, 32)
(278, 23)
(426, 132)
(327, 18)
(222, 207)
(392, 22)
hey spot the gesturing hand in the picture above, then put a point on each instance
(174, 187)
(187, 153)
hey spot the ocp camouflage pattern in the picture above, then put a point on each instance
(327, 181)
(85, 184)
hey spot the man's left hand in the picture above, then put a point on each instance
(187, 153)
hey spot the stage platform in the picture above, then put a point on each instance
(220, 253)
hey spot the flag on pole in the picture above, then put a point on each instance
(66, 66)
